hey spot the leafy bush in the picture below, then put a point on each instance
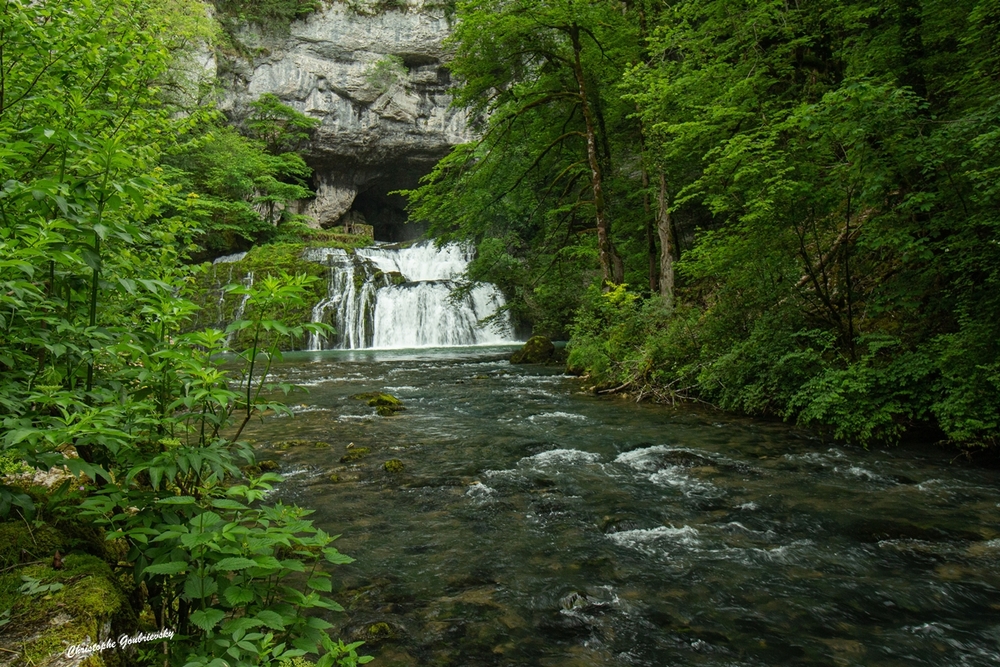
(95, 372)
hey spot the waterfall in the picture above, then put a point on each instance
(389, 297)
(238, 313)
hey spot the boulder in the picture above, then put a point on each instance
(538, 350)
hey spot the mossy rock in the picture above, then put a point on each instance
(288, 444)
(18, 544)
(376, 398)
(538, 350)
(391, 277)
(377, 632)
(90, 605)
(393, 466)
(354, 454)
(385, 405)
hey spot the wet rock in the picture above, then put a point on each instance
(538, 350)
(392, 277)
(354, 454)
(283, 445)
(564, 627)
(617, 524)
(393, 466)
(377, 632)
(385, 405)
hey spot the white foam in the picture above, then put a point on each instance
(561, 456)
(644, 539)
(557, 415)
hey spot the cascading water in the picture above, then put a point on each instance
(389, 297)
(241, 307)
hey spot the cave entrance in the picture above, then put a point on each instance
(386, 213)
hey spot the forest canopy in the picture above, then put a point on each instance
(784, 209)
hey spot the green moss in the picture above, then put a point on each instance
(288, 444)
(378, 632)
(219, 309)
(376, 398)
(393, 466)
(11, 465)
(43, 625)
(354, 454)
(385, 405)
(390, 277)
(19, 544)
(538, 350)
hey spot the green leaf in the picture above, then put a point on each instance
(320, 584)
(237, 595)
(177, 500)
(175, 567)
(197, 587)
(208, 618)
(335, 557)
(226, 504)
(271, 619)
(234, 563)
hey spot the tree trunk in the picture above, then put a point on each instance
(654, 278)
(605, 252)
(663, 228)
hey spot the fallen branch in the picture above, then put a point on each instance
(618, 389)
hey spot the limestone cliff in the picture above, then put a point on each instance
(378, 83)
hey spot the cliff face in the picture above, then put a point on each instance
(379, 86)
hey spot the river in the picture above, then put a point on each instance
(537, 524)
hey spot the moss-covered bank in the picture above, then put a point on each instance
(218, 308)
(51, 603)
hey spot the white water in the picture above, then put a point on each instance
(238, 313)
(230, 259)
(373, 308)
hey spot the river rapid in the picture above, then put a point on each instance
(537, 524)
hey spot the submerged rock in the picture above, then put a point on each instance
(538, 350)
(288, 444)
(385, 405)
(354, 454)
(393, 466)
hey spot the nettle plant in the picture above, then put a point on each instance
(237, 579)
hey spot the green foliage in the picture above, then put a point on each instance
(275, 15)
(96, 374)
(236, 191)
(828, 170)
(385, 72)
(280, 127)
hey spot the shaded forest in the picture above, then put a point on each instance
(784, 209)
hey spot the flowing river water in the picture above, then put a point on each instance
(537, 524)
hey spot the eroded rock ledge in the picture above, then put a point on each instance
(378, 84)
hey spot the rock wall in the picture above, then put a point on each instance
(379, 85)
